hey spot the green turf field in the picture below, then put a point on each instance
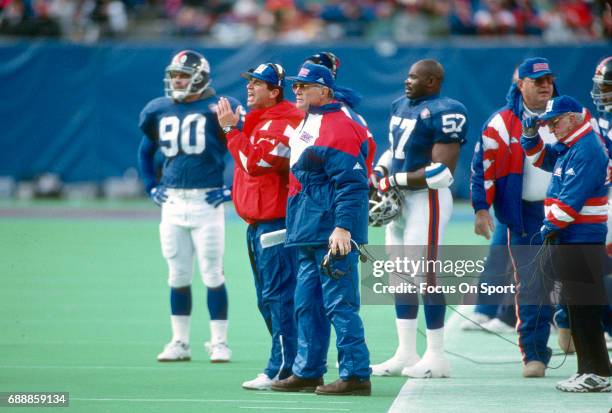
(84, 306)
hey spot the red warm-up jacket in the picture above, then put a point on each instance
(261, 154)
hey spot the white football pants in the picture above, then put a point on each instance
(424, 216)
(190, 225)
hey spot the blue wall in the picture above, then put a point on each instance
(73, 109)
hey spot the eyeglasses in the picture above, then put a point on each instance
(305, 86)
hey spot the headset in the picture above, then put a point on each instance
(279, 71)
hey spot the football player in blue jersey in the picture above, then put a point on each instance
(426, 132)
(184, 126)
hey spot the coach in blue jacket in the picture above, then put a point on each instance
(576, 215)
(327, 215)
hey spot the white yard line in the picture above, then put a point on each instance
(161, 366)
(297, 394)
(319, 409)
(176, 400)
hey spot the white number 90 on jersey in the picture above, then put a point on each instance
(171, 128)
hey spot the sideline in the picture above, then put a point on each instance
(413, 388)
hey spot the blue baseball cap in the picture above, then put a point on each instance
(534, 68)
(313, 73)
(559, 106)
(271, 73)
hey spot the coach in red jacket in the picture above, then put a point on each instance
(261, 154)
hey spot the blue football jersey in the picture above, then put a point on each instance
(416, 125)
(604, 122)
(190, 139)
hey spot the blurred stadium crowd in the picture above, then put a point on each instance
(302, 21)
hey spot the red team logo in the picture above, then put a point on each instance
(538, 67)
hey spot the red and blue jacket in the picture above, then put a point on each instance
(328, 182)
(261, 155)
(497, 165)
(576, 205)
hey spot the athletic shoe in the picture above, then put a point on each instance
(534, 368)
(585, 383)
(495, 325)
(175, 351)
(570, 379)
(431, 366)
(475, 322)
(218, 352)
(261, 382)
(350, 387)
(395, 365)
(564, 338)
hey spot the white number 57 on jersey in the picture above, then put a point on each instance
(453, 122)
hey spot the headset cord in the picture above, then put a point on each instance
(365, 255)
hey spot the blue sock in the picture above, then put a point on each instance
(180, 301)
(217, 302)
(406, 306)
(435, 309)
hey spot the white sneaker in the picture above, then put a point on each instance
(475, 322)
(431, 366)
(175, 351)
(495, 325)
(566, 381)
(218, 352)
(585, 383)
(395, 365)
(261, 382)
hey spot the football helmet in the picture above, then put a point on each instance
(602, 86)
(327, 59)
(190, 63)
(383, 208)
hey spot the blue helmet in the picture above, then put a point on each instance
(327, 59)
(190, 63)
